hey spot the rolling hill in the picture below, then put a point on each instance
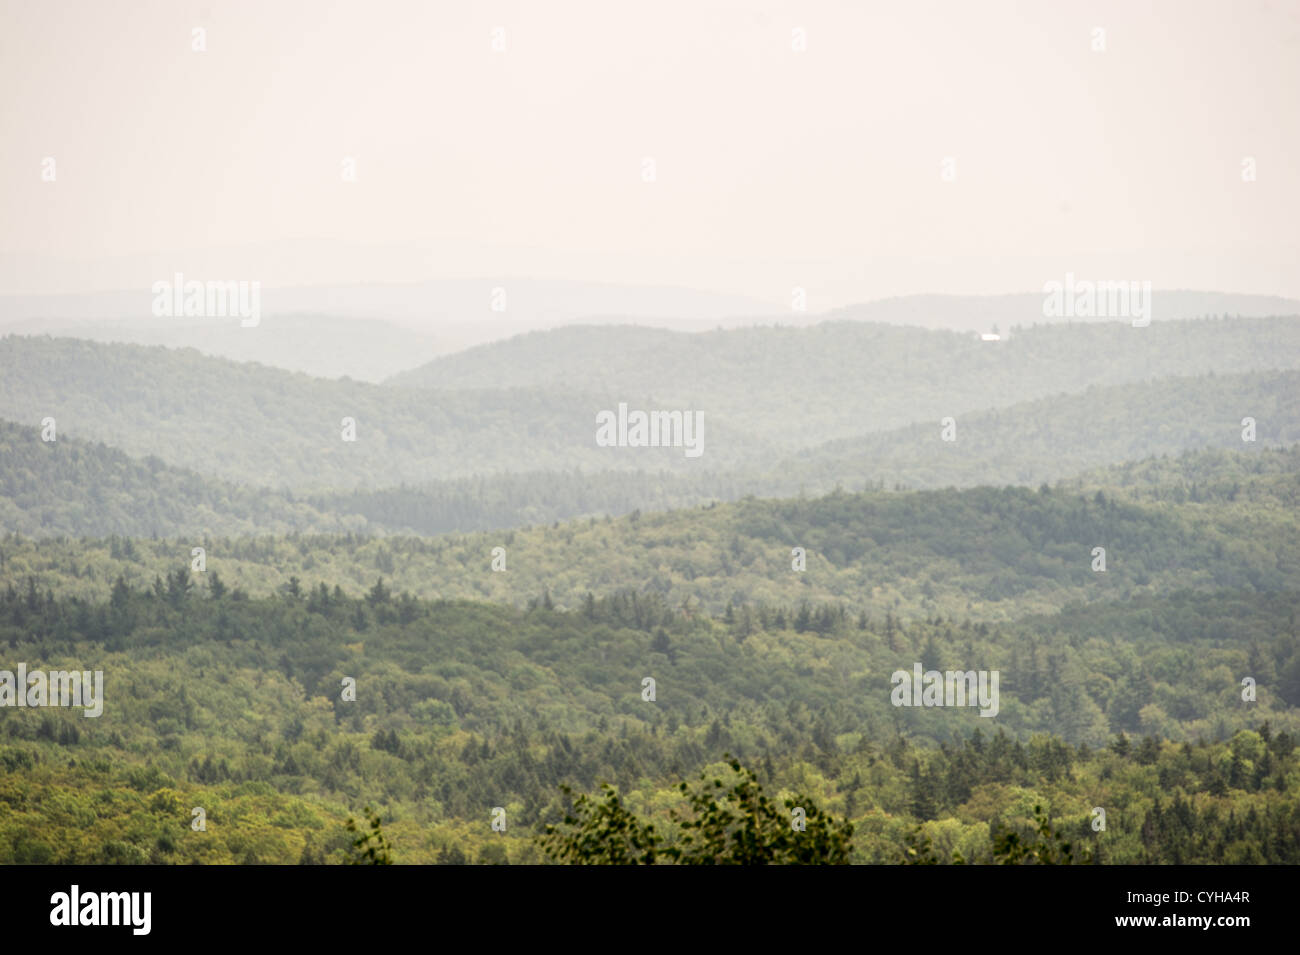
(798, 387)
(264, 426)
(987, 553)
(84, 488)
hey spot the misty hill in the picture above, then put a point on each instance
(323, 346)
(802, 386)
(1029, 443)
(88, 489)
(460, 310)
(1051, 438)
(980, 313)
(1193, 475)
(246, 422)
(445, 315)
(95, 490)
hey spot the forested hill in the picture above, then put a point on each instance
(1048, 439)
(81, 488)
(85, 488)
(263, 426)
(321, 345)
(266, 427)
(1192, 475)
(986, 553)
(213, 699)
(801, 386)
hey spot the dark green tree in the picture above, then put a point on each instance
(369, 847)
(736, 824)
(1048, 848)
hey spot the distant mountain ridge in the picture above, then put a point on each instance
(323, 346)
(369, 332)
(981, 313)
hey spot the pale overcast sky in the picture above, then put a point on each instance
(774, 168)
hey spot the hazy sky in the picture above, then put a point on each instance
(775, 168)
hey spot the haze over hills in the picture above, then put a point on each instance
(429, 306)
(322, 346)
(88, 489)
(1045, 440)
(80, 488)
(982, 313)
(264, 426)
(478, 457)
(1049, 438)
(501, 682)
(801, 386)
(370, 332)
(338, 344)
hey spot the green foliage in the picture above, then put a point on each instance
(370, 847)
(224, 686)
(600, 831)
(1046, 846)
(740, 825)
(721, 825)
